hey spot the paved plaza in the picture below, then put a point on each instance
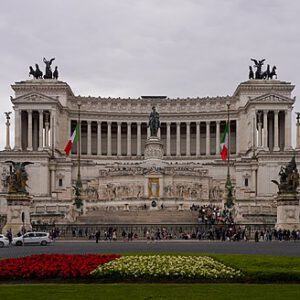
(289, 248)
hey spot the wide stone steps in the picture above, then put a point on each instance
(139, 217)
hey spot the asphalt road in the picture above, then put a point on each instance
(290, 248)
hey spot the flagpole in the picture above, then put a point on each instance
(228, 156)
(228, 185)
(78, 183)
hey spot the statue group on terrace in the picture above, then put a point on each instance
(17, 179)
(38, 74)
(259, 73)
(289, 178)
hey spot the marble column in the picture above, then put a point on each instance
(207, 137)
(53, 130)
(139, 139)
(159, 133)
(188, 139)
(109, 138)
(254, 133)
(168, 138)
(47, 130)
(29, 130)
(128, 139)
(178, 139)
(99, 137)
(217, 137)
(148, 132)
(276, 146)
(287, 123)
(198, 139)
(266, 148)
(259, 125)
(41, 125)
(7, 144)
(35, 138)
(89, 137)
(18, 130)
(119, 142)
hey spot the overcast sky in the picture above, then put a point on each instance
(129, 48)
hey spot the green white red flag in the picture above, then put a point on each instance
(224, 143)
(73, 139)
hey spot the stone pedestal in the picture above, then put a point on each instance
(154, 148)
(17, 204)
(288, 211)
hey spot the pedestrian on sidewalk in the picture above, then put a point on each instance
(97, 235)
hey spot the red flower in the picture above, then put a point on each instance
(52, 266)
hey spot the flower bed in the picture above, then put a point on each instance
(164, 266)
(52, 266)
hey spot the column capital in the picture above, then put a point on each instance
(276, 111)
(41, 111)
(99, 122)
(29, 111)
(188, 122)
(218, 122)
(89, 122)
(198, 123)
(207, 122)
(119, 123)
(168, 123)
(109, 123)
(128, 123)
(265, 111)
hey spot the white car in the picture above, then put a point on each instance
(31, 238)
(3, 241)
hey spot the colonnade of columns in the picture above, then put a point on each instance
(273, 130)
(127, 138)
(33, 128)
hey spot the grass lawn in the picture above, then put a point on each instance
(149, 291)
(268, 268)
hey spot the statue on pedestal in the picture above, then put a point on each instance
(154, 122)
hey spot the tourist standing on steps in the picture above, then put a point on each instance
(97, 235)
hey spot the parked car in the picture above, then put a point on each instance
(3, 241)
(31, 238)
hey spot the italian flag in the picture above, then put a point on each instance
(71, 141)
(224, 143)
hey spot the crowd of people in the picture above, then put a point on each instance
(211, 214)
(216, 232)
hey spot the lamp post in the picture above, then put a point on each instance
(298, 130)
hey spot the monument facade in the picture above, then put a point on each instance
(127, 160)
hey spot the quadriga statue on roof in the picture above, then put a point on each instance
(18, 177)
(259, 74)
(154, 122)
